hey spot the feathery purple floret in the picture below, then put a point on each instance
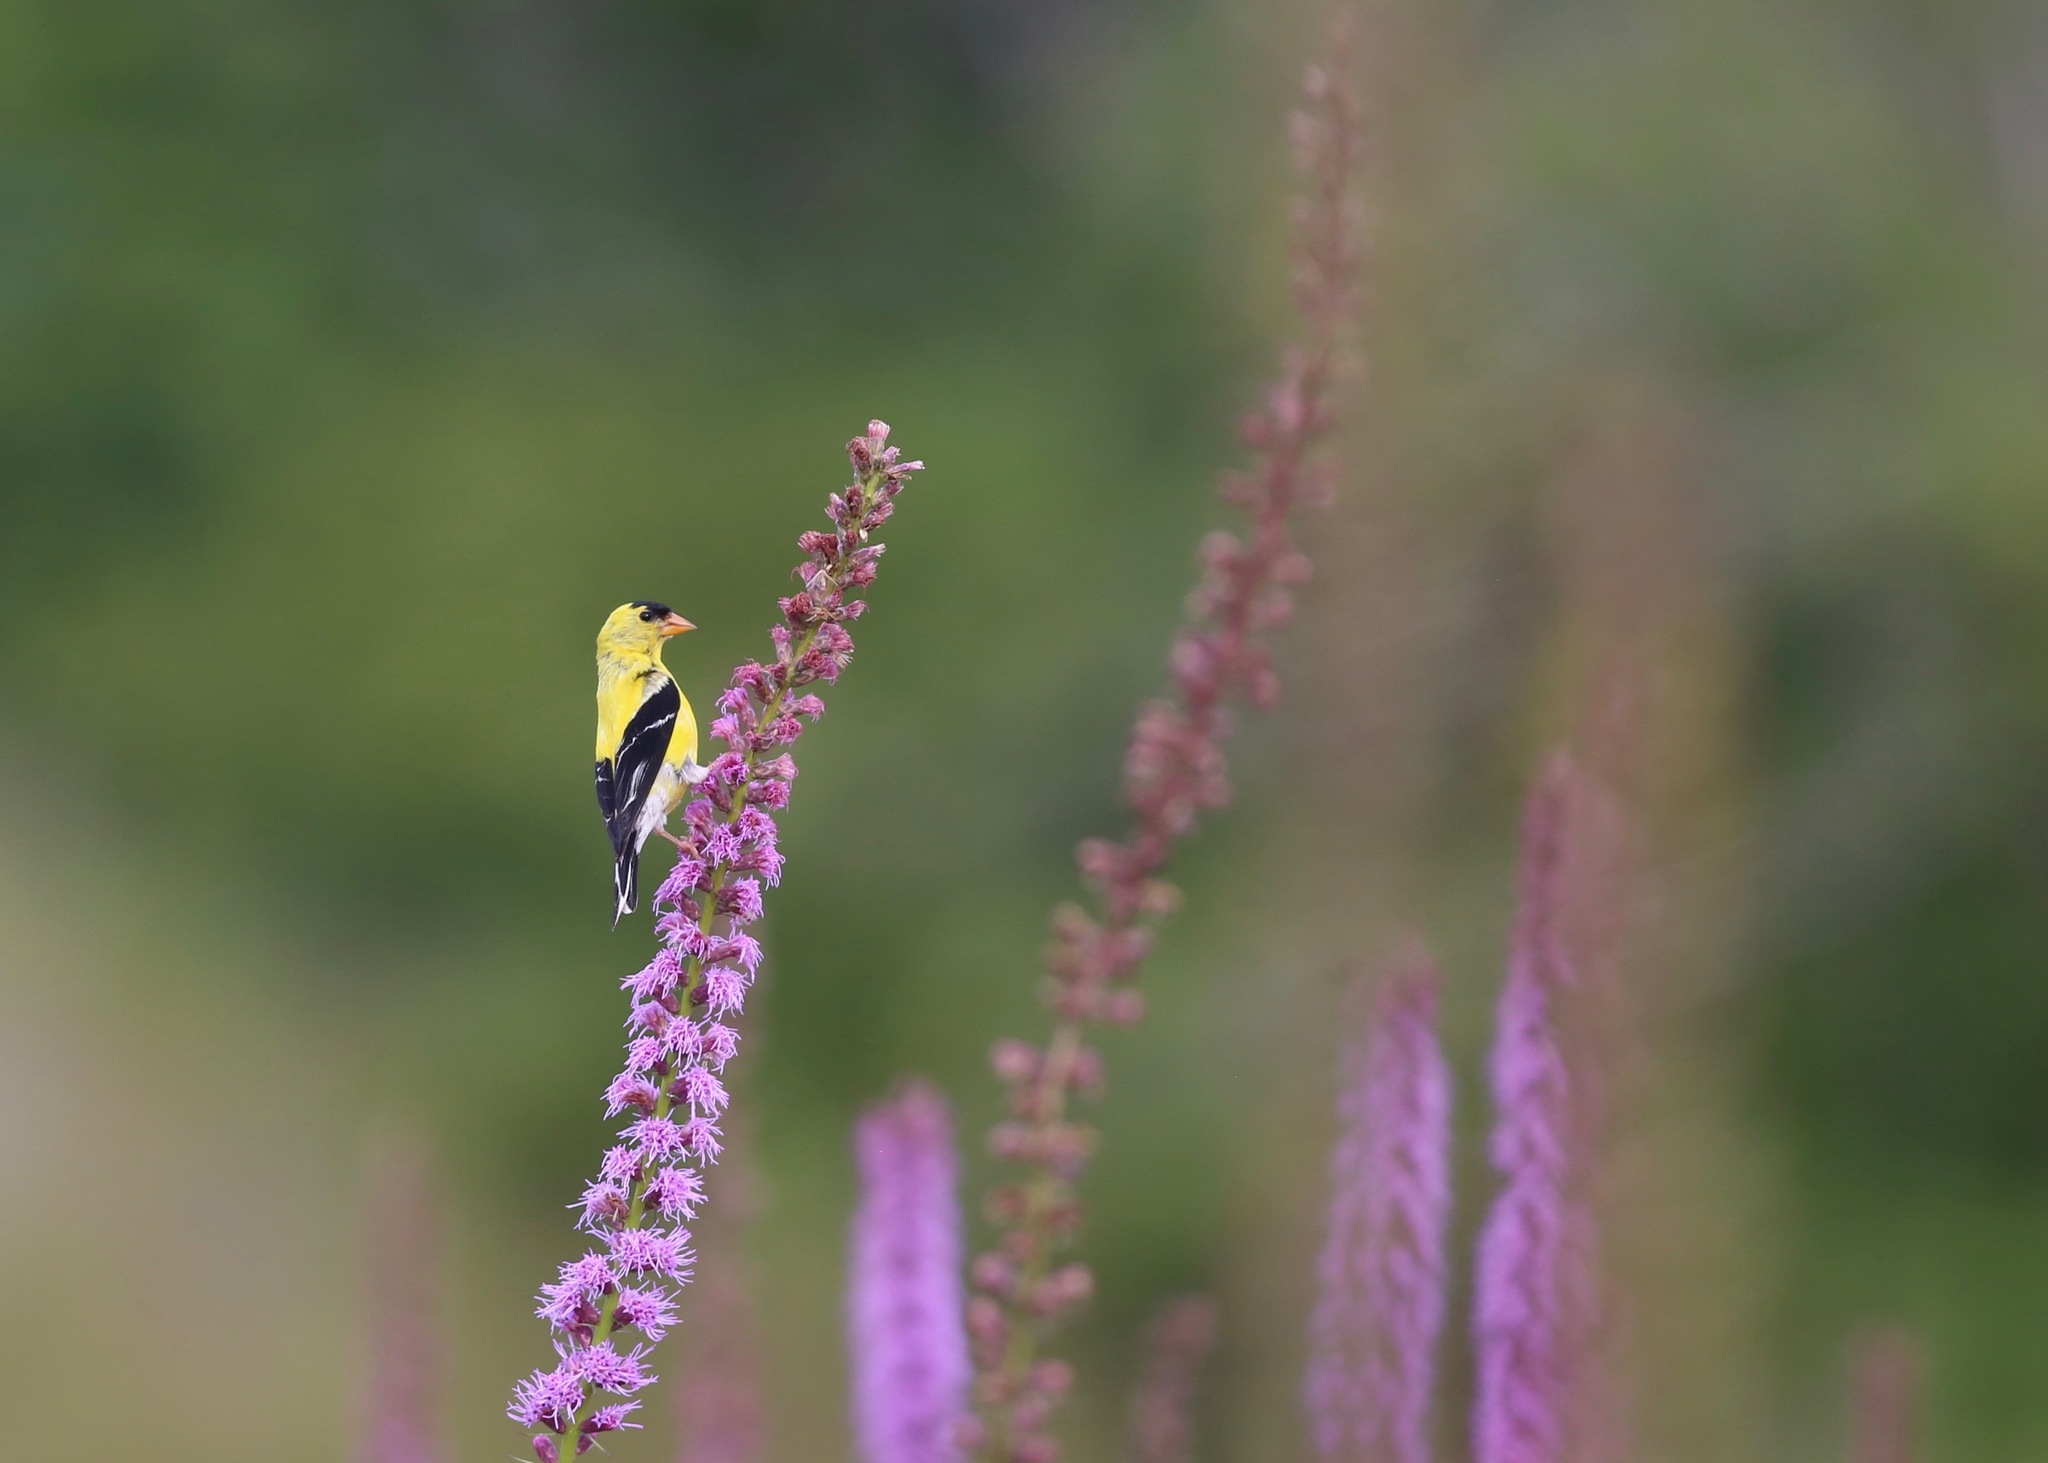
(1530, 1290)
(1380, 1279)
(906, 1345)
(679, 1039)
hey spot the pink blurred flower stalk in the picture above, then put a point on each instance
(1533, 1286)
(683, 1002)
(720, 1413)
(906, 1348)
(1380, 1278)
(718, 1396)
(1173, 772)
(1884, 1398)
(402, 1420)
(1177, 1345)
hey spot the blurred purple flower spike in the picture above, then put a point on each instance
(718, 1403)
(652, 1182)
(1884, 1398)
(1380, 1279)
(1533, 1262)
(907, 1349)
(402, 1403)
(1177, 1344)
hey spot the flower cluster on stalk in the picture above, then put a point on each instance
(1174, 771)
(684, 1002)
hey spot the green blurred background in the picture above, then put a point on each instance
(354, 360)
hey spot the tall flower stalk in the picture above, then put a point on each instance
(1173, 771)
(907, 1351)
(1380, 1278)
(1533, 1281)
(680, 1033)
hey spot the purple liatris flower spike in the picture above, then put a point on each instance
(679, 1035)
(1380, 1280)
(907, 1349)
(1531, 1283)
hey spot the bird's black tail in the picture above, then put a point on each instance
(625, 883)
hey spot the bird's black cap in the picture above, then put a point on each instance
(653, 606)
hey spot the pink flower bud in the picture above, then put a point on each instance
(1037, 1448)
(1053, 1378)
(1076, 1282)
(985, 1319)
(992, 1273)
(1089, 1072)
(1124, 1008)
(1014, 1061)
(1009, 1140)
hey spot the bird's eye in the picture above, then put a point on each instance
(647, 615)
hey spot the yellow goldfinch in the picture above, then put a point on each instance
(646, 738)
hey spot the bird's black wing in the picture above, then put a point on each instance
(608, 799)
(624, 782)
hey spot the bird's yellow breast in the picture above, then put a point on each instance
(621, 687)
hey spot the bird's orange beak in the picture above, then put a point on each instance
(674, 624)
